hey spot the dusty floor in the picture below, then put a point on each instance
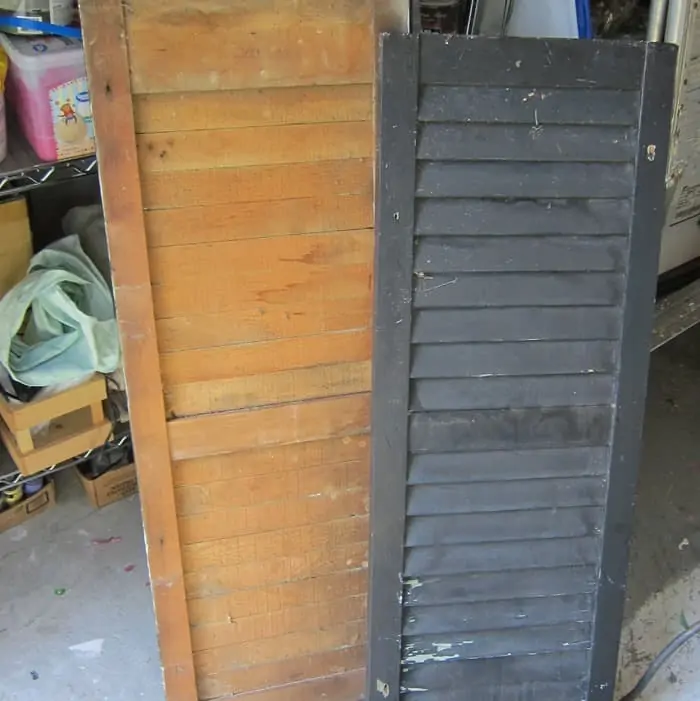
(76, 619)
(96, 639)
(664, 575)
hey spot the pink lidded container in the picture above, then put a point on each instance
(47, 90)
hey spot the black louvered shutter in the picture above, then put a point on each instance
(520, 202)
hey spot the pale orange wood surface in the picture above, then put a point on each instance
(170, 190)
(347, 634)
(317, 312)
(194, 111)
(225, 362)
(252, 220)
(110, 92)
(254, 602)
(214, 525)
(248, 50)
(253, 146)
(262, 547)
(268, 389)
(218, 581)
(338, 687)
(313, 482)
(271, 461)
(279, 676)
(276, 624)
(272, 271)
(290, 423)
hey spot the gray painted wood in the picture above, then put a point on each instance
(506, 465)
(523, 217)
(489, 105)
(514, 495)
(441, 590)
(496, 615)
(517, 324)
(538, 180)
(526, 142)
(531, 289)
(507, 359)
(513, 292)
(479, 527)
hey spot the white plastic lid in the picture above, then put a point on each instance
(40, 53)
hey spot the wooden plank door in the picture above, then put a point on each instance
(236, 149)
(521, 192)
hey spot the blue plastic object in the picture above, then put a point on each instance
(583, 15)
(33, 25)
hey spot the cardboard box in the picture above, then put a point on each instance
(31, 506)
(15, 243)
(112, 486)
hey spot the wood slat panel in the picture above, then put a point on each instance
(517, 324)
(520, 217)
(295, 385)
(511, 392)
(195, 111)
(182, 50)
(518, 289)
(257, 183)
(506, 465)
(515, 429)
(531, 142)
(250, 220)
(261, 547)
(280, 673)
(254, 146)
(518, 105)
(514, 613)
(512, 359)
(578, 64)
(542, 691)
(570, 665)
(254, 602)
(516, 525)
(513, 495)
(350, 634)
(339, 687)
(261, 518)
(287, 316)
(498, 643)
(526, 180)
(493, 586)
(474, 254)
(272, 356)
(278, 623)
(259, 428)
(292, 485)
(253, 272)
(497, 557)
(225, 579)
(274, 460)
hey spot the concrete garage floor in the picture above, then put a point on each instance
(97, 640)
(664, 574)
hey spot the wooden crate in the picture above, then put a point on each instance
(76, 424)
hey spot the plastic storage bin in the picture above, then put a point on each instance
(47, 89)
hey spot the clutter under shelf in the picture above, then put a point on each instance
(10, 476)
(23, 170)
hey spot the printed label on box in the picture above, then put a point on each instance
(72, 119)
